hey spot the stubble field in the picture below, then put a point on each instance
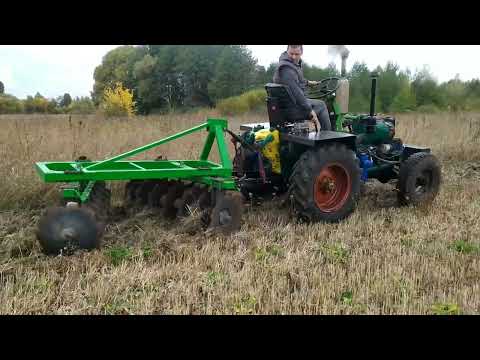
(382, 260)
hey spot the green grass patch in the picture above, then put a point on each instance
(119, 254)
(445, 309)
(464, 247)
(246, 305)
(263, 254)
(335, 253)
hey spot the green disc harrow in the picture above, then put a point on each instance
(177, 188)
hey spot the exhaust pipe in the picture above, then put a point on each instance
(373, 93)
(335, 50)
(343, 91)
(343, 72)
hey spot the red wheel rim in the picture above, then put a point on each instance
(332, 188)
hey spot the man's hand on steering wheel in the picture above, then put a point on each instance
(314, 119)
(324, 87)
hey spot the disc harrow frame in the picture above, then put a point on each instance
(81, 176)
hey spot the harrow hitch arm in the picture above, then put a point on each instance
(147, 147)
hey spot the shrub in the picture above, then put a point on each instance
(249, 101)
(37, 104)
(82, 105)
(473, 104)
(118, 101)
(10, 104)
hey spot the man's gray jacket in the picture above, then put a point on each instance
(291, 74)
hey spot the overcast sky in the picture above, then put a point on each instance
(54, 70)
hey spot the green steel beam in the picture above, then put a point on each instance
(184, 172)
(73, 193)
(208, 146)
(207, 172)
(222, 149)
(147, 147)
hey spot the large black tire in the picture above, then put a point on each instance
(419, 179)
(325, 184)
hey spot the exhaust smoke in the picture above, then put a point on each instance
(343, 52)
(343, 91)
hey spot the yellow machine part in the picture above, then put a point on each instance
(272, 149)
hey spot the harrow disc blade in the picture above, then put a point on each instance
(187, 204)
(100, 201)
(160, 188)
(205, 199)
(130, 196)
(68, 229)
(167, 201)
(226, 215)
(197, 189)
(142, 192)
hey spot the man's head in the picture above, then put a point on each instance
(295, 53)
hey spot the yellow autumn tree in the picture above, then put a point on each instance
(118, 101)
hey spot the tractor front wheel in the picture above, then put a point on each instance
(325, 184)
(419, 179)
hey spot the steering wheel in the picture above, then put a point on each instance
(325, 87)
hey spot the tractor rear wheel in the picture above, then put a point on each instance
(325, 184)
(419, 179)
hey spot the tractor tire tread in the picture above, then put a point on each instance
(302, 183)
(408, 169)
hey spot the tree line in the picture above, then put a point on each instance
(164, 78)
(173, 77)
(39, 104)
(400, 91)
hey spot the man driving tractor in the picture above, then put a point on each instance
(290, 72)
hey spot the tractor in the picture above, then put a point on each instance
(320, 173)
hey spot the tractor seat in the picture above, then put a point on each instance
(281, 105)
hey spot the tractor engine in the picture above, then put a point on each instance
(377, 147)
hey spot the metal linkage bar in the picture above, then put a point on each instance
(146, 147)
(114, 168)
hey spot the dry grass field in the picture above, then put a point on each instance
(382, 260)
